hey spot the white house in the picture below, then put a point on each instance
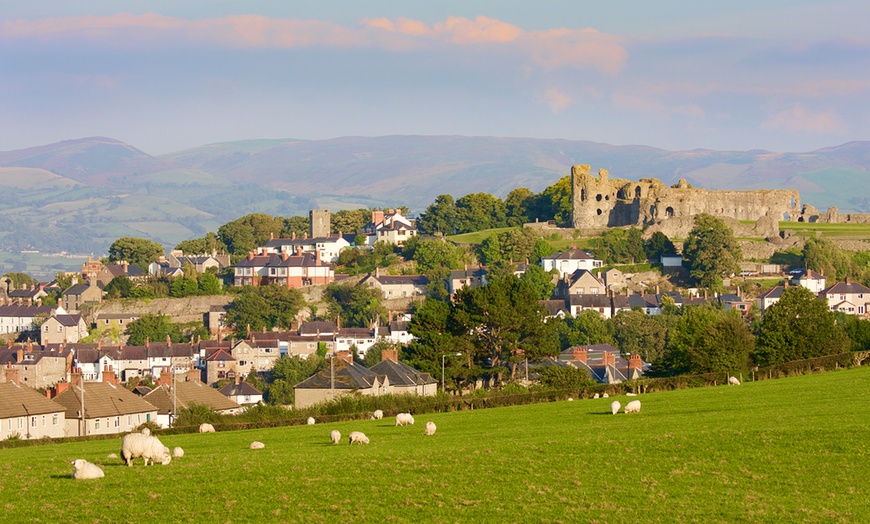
(847, 297)
(390, 227)
(27, 414)
(569, 261)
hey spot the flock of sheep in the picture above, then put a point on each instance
(402, 419)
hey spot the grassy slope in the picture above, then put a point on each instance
(790, 450)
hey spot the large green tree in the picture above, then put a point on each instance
(588, 327)
(540, 280)
(620, 246)
(799, 326)
(289, 371)
(555, 203)
(439, 217)
(479, 211)
(205, 245)
(138, 251)
(712, 251)
(246, 233)
(357, 306)
(154, 328)
(636, 332)
(706, 339)
(264, 307)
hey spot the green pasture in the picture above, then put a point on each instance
(827, 230)
(788, 450)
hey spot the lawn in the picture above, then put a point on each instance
(788, 450)
(827, 230)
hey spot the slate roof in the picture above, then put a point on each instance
(22, 401)
(187, 393)
(242, 388)
(401, 374)
(397, 280)
(312, 328)
(847, 288)
(570, 254)
(590, 301)
(101, 400)
(68, 320)
(553, 307)
(15, 310)
(347, 376)
(773, 293)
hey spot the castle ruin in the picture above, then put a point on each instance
(603, 202)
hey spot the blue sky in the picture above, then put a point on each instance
(164, 76)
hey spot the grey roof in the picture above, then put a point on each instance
(346, 376)
(847, 288)
(69, 320)
(401, 374)
(242, 388)
(590, 301)
(101, 400)
(570, 254)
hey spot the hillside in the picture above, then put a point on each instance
(787, 450)
(80, 195)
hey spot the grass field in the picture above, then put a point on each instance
(827, 230)
(789, 450)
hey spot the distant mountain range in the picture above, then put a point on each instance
(80, 195)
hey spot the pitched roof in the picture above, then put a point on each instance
(593, 301)
(776, 292)
(15, 310)
(68, 320)
(22, 401)
(401, 374)
(847, 288)
(346, 376)
(242, 388)
(570, 254)
(554, 307)
(101, 400)
(187, 393)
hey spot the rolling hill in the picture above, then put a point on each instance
(80, 195)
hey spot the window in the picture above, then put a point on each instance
(129, 420)
(60, 329)
(96, 424)
(46, 329)
(33, 422)
(117, 422)
(43, 421)
(20, 422)
(106, 321)
(54, 420)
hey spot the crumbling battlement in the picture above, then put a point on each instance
(605, 202)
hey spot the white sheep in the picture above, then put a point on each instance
(257, 445)
(570, 399)
(310, 421)
(206, 428)
(614, 407)
(177, 452)
(145, 431)
(733, 381)
(605, 395)
(596, 395)
(631, 394)
(430, 428)
(632, 407)
(377, 415)
(335, 436)
(358, 436)
(112, 455)
(148, 447)
(86, 470)
(404, 418)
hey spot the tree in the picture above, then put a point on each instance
(439, 217)
(137, 251)
(207, 244)
(297, 225)
(540, 280)
(621, 246)
(561, 378)
(119, 287)
(437, 257)
(517, 204)
(209, 284)
(555, 203)
(375, 352)
(657, 245)
(724, 347)
(588, 327)
(248, 232)
(152, 327)
(358, 306)
(263, 308)
(349, 221)
(638, 333)
(21, 279)
(822, 255)
(480, 211)
(799, 326)
(181, 287)
(712, 251)
(289, 371)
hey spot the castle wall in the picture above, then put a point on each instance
(604, 202)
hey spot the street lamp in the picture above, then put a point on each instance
(445, 355)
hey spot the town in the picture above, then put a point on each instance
(396, 306)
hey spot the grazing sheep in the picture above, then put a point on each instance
(257, 445)
(430, 428)
(145, 431)
(112, 456)
(335, 436)
(358, 436)
(377, 415)
(631, 394)
(148, 447)
(596, 395)
(86, 470)
(614, 407)
(632, 407)
(206, 428)
(605, 395)
(177, 452)
(310, 421)
(570, 399)
(733, 381)
(404, 419)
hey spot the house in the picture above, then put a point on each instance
(809, 279)
(598, 303)
(847, 297)
(219, 365)
(27, 295)
(399, 332)
(174, 264)
(770, 297)
(361, 338)
(614, 279)
(27, 414)
(604, 363)
(470, 278)
(62, 327)
(122, 269)
(652, 304)
(579, 282)
(397, 286)
(291, 271)
(99, 408)
(390, 227)
(343, 377)
(242, 393)
(569, 261)
(22, 319)
(115, 321)
(187, 389)
(731, 301)
(35, 367)
(327, 247)
(78, 295)
(556, 308)
(255, 354)
(403, 378)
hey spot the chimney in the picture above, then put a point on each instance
(377, 218)
(634, 362)
(168, 340)
(338, 323)
(165, 377)
(11, 375)
(250, 255)
(606, 358)
(293, 235)
(19, 354)
(237, 379)
(284, 256)
(391, 354)
(317, 257)
(346, 356)
(59, 388)
(847, 280)
(579, 354)
(109, 376)
(147, 343)
(76, 378)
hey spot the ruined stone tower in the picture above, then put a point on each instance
(319, 223)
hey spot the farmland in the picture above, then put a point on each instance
(788, 450)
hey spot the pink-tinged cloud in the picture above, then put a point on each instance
(461, 30)
(556, 99)
(798, 119)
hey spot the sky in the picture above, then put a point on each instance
(163, 76)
